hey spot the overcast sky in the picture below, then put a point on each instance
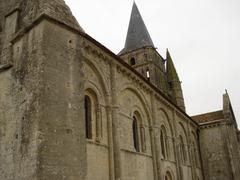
(203, 37)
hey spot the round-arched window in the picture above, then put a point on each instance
(168, 176)
(132, 61)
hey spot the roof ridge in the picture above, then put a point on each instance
(211, 112)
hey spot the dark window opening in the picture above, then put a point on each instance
(170, 85)
(88, 117)
(168, 176)
(162, 144)
(145, 57)
(135, 134)
(132, 61)
(148, 74)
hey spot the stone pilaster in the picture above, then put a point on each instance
(154, 139)
(175, 146)
(115, 125)
(110, 144)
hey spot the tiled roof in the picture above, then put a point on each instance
(208, 117)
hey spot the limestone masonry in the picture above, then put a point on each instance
(70, 109)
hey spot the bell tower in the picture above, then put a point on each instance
(140, 52)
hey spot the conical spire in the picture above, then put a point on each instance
(171, 70)
(137, 36)
(174, 83)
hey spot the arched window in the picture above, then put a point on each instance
(93, 116)
(132, 61)
(183, 152)
(164, 143)
(168, 176)
(135, 134)
(138, 131)
(162, 136)
(88, 117)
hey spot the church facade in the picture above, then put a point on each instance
(70, 109)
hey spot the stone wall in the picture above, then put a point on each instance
(219, 155)
(137, 133)
(42, 133)
(106, 76)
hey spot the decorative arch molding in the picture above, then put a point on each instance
(167, 140)
(183, 144)
(99, 75)
(91, 86)
(93, 113)
(165, 113)
(195, 149)
(182, 131)
(141, 97)
(193, 134)
(169, 170)
(167, 123)
(137, 111)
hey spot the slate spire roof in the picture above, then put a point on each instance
(138, 35)
(171, 70)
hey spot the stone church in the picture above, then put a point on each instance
(70, 109)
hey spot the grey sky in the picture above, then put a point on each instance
(203, 37)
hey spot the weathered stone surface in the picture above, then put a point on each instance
(41, 102)
(48, 65)
(219, 143)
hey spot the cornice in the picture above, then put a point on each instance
(111, 58)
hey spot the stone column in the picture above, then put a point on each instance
(154, 137)
(110, 143)
(175, 146)
(115, 124)
(200, 153)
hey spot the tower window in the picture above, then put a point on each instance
(145, 57)
(132, 61)
(148, 74)
(170, 85)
